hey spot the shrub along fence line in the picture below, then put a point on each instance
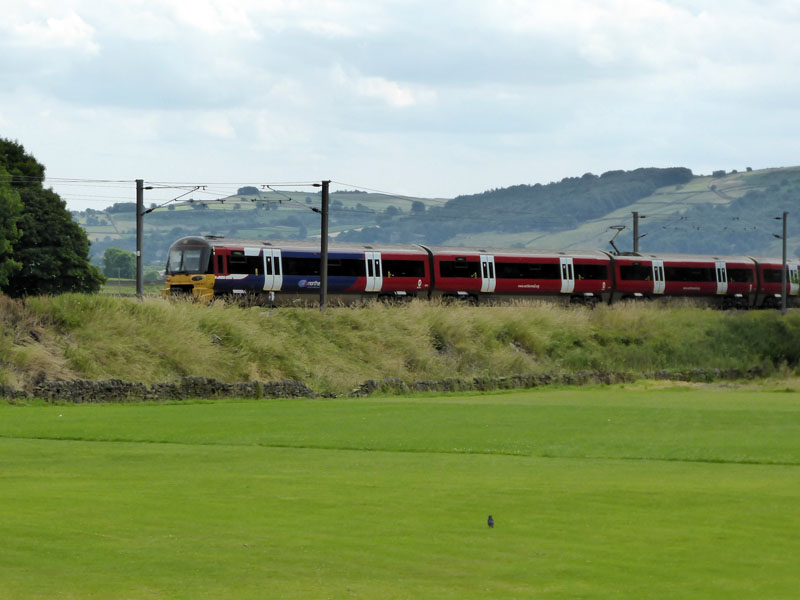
(115, 390)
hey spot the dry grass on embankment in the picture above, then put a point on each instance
(100, 337)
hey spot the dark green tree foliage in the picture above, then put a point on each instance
(554, 207)
(119, 263)
(53, 250)
(10, 212)
(122, 207)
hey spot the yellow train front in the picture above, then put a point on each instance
(190, 269)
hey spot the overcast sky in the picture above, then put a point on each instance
(423, 98)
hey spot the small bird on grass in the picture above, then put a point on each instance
(490, 521)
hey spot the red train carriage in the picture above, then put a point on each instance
(483, 274)
(768, 274)
(724, 281)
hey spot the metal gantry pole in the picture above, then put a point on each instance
(139, 233)
(635, 231)
(323, 266)
(783, 268)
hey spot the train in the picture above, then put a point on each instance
(280, 272)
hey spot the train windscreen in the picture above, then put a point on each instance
(188, 259)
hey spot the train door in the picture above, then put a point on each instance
(488, 278)
(374, 270)
(567, 275)
(658, 277)
(722, 277)
(794, 280)
(273, 270)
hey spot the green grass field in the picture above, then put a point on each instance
(596, 493)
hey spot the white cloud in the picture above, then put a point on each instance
(444, 99)
(391, 93)
(214, 17)
(70, 31)
(217, 125)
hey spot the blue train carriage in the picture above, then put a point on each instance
(284, 272)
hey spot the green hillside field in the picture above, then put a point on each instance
(615, 492)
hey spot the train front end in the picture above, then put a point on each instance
(190, 270)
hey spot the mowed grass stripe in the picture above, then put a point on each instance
(414, 451)
(610, 423)
(176, 521)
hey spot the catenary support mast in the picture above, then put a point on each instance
(139, 227)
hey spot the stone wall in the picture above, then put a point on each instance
(116, 390)
(398, 386)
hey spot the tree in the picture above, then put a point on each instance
(119, 263)
(417, 207)
(10, 211)
(52, 248)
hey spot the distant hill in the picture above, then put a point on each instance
(726, 213)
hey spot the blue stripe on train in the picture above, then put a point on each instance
(291, 283)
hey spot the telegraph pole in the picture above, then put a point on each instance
(139, 227)
(783, 268)
(323, 266)
(636, 236)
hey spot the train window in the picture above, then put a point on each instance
(461, 267)
(404, 268)
(590, 271)
(239, 264)
(635, 272)
(345, 267)
(510, 270)
(692, 274)
(220, 264)
(740, 275)
(301, 266)
(190, 260)
(772, 275)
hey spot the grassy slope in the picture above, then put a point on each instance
(100, 337)
(612, 493)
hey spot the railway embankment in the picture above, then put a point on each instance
(86, 348)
